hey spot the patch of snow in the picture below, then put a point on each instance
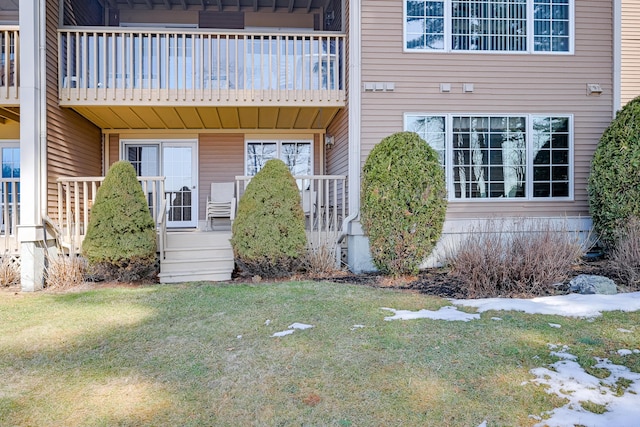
(567, 379)
(300, 326)
(283, 333)
(626, 331)
(483, 424)
(239, 337)
(496, 318)
(354, 327)
(572, 305)
(624, 352)
(292, 329)
(267, 322)
(555, 325)
(445, 313)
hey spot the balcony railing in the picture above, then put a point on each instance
(10, 210)
(129, 66)
(76, 197)
(323, 199)
(9, 57)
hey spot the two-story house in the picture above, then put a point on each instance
(513, 94)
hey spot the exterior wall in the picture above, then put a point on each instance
(74, 145)
(503, 83)
(630, 45)
(221, 159)
(220, 155)
(191, 17)
(83, 13)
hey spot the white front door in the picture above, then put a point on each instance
(177, 162)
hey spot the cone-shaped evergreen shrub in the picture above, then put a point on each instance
(120, 243)
(269, 238)
(403, 202)
(614, 182)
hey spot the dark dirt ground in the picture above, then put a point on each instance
(437, 282)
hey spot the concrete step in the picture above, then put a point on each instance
(205, 275)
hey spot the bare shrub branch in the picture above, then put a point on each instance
(9, 271)
(514, 258)
(625, 257)
(65, 271)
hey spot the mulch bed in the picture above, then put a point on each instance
(436, 281)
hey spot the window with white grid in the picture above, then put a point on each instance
(537, 26)
(500, 157)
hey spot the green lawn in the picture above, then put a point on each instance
(203, 354)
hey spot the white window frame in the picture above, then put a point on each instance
(278, 143)
(530, 34)
(449, 167)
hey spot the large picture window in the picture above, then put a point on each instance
(295, 154)
(540, 26)
(500, 157)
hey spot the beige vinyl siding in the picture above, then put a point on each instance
(114, 148)
(74, 145)
(221, 158)
(630, 64)
(161, 17)
(503, 84)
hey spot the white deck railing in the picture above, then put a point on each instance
(10, 211)
(128, 66)
(9, 65)
(323, 200)
(76, 197)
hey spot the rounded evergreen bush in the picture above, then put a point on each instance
(120, 243)
(614, 182)
(403, 202)
(269, 238)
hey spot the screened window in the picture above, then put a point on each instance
(295, 154)
(500, 157)
(489, 25)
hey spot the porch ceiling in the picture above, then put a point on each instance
(9, 113)
(145, 117)
(221, 5)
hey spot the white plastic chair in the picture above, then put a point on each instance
(222, 202)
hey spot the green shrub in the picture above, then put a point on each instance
(614, 183)
(120, 243)
(403, 202)
(269, 238)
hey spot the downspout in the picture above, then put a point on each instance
(43, 107)
(617, 56)
(355, 100)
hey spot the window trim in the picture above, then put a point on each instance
(449, 170)
(279, 142)
(530, 35)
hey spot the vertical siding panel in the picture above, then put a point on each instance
(74, 145)
(503, 84)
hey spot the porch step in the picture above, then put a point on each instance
(197, 256)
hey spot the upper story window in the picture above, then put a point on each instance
(534, 26)
(500, 157)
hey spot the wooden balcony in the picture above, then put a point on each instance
(197, 68)
(9, 65)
